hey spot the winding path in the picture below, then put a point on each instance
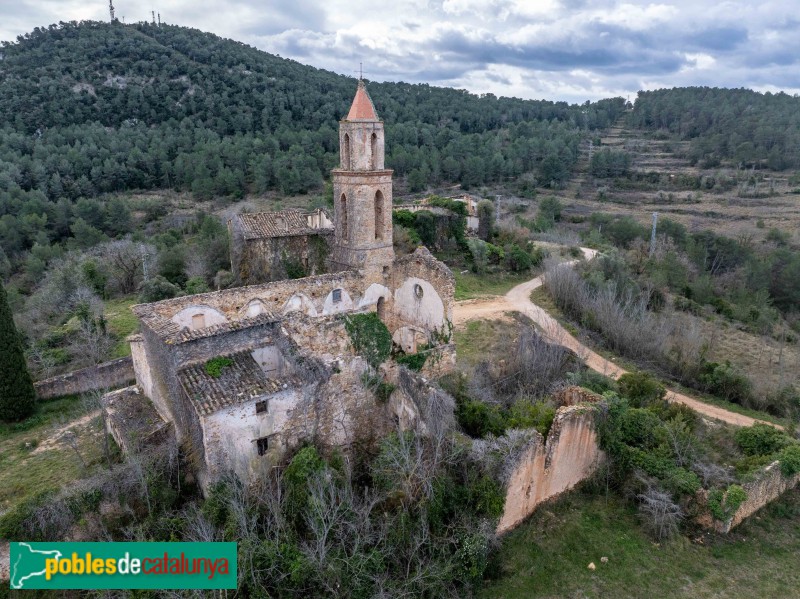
(519, 300)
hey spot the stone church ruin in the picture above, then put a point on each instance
(244, 375)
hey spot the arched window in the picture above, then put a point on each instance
(379, 225)
(346, 153)
(343, 212)
(373, 156)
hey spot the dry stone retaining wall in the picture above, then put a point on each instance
(766, 488)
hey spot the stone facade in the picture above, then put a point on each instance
(247, 374)
(272, 246)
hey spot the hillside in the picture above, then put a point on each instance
(91, 108)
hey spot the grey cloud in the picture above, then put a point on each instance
(718, 38)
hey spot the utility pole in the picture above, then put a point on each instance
(111, 9)
(653, 234)
(144, 262)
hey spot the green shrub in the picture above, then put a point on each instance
(412, 361)
(215, 366)
(370, 337)
(296, 476)
(479, 419)
(528, 414)
(196, 285)
(157, 289)
(790, 460)
(723, 505)
(642, 428)
(517, 259)
(761, 439)
(680, 480)
(723, 381)
(641, 389)
(594, 381)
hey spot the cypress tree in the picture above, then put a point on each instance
(17, 395)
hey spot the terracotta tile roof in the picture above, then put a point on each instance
(260, 225)
(172, 334)
(241, 381)
(362, 109)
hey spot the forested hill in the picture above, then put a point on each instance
(188, 108)
(746, 128)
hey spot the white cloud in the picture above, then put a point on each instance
(560, 49)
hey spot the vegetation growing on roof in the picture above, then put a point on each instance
(215, 366)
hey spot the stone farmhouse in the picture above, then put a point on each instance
(271, 246)
(244, 375)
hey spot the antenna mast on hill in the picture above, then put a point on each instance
(154, 16)
(111, 9)
(159, 19)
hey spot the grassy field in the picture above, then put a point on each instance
(480, 339)
(30, 462)
(121, 322)
(548, 556)
(470, 285)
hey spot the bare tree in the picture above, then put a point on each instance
(662, 516)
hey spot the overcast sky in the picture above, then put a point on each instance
(556, 49)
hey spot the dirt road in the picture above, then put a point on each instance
(519, 300)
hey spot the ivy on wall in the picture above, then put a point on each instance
(370, 337)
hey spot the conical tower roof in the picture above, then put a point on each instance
(362, 109)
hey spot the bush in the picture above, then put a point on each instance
(723, 505)
(641, 389)
(594, 381)
(790, 460)
(518, 260)
(296, 477)
(723, 381)
(196, 285)
(761, 439)
(527, 414)
(157, 289)
(412, 361)
(479, 419)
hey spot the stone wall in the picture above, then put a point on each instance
(542, 469)
(270, 259)
(108, 375)
(766, 488)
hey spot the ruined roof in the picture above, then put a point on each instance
(172, 334)
(133, 420)
(362, 109)
(238, 382)
(260, 225)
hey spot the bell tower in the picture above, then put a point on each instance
(362, 192)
